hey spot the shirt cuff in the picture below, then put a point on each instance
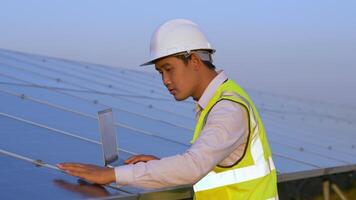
(124, 175)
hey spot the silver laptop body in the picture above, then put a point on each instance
(108, 137)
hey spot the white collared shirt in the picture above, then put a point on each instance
(222, 141)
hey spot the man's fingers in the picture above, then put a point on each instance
(74, 167)
(132, 158)
(91, 173)
(66, 165)
(140, 158)
(135, 159)
(77, 174)
(71, 168)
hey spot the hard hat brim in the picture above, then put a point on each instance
(152, 61)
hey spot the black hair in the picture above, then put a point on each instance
(186, 59)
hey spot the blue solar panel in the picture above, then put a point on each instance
(48, 112)
(22, 180)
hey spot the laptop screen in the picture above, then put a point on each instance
(108, 136)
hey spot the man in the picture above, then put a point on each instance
(229, 158)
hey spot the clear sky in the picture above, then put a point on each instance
(303, 48)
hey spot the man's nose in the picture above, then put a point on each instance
(165, 79)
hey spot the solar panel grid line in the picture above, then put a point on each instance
(313, 122)
(97, 66)
(274, 154)
(86, 91)
(308, 104)
(305, 144)
(335, 154)
(287, 112)
(115, 78)
(292, 106)
(305, 112)
(31, 84)
(135, 73)
(274, 95)
(152, 84)
(44, 164)
(93, 141)
(280, 103)
(28, 181)
(327, 129)
(315, 173)
(145, 97)
(91, 80)
(51, 87)
(61, 131)
(160, 110)
(308, 142)
(326, 138)
(58, 90)
(307, 150)
(279, 96)
(289, 130)
(33, 161)
(134, 139)
(93, 117)
(87, 115)
(28, 72)
(303, 156)
(89, 89)
(63, 73)
(97, 91)
(85, 99)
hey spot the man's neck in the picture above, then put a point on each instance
(208, 76)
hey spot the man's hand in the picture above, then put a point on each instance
(91, 173)
(140, 158)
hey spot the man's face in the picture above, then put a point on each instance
(179, 78)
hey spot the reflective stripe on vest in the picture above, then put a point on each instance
(260, 168)
(274, 198)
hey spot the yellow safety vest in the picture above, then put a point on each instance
(251, 177)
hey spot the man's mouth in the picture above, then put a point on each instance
(172, 91)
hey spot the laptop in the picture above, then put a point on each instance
(108, 138)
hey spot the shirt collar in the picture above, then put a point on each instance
(212, 87)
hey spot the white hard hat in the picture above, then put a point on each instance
(176, 36)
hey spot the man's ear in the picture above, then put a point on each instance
(195, 61)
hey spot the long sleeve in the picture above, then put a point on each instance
(221, 139)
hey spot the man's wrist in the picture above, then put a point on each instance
(111, 174)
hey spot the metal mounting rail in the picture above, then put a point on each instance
(44, 164)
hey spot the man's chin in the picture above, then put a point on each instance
(178, 98)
